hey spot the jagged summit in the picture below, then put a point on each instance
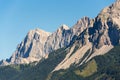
(31, 48)
(110, 15)
(81, 25)
(64, 27)
(39, 31)
(85, 18)
(83, 22)
(112, 11)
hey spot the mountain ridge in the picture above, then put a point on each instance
(88, 34)
(62, 37)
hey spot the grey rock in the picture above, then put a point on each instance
(31, 48)
(64, 35)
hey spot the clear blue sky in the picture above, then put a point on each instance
(17, 17)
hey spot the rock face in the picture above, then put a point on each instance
(107, 23)
(65, 35)
(92, 36)
(31, 48)
(57, 39)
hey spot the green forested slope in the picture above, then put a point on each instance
(108, 68)
(104, 67)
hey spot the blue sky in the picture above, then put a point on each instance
(17, 17)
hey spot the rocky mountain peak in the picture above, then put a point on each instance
(106, 24)
(40, 31)
(37, 31)
(31, 48)
(82, 20)
(81, 25)
(37, 34)
(62, 28)
(112, 11)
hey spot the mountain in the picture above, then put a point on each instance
(65, 35)
(87, 51)
(95, 40)
(38, 43)
(30, 49)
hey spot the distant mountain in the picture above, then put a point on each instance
(87, 51)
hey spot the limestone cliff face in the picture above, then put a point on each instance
(106, 26)
(31, 48)
(57, 39)
(65, 35)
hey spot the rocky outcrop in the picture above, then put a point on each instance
(31, 48)
(107, 24)
(57, 39)
(64, 36)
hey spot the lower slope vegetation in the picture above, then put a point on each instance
(104, 67)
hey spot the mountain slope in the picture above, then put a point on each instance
(104, 67)
(87, 51)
